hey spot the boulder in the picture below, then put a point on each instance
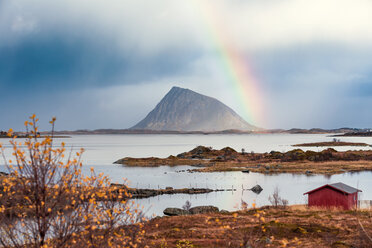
(175, 212)
(204, 210)
(257, 189)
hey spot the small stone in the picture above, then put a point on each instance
(257, 189)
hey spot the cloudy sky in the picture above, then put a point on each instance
(106, 64)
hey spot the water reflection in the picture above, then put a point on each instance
(102, 150)
(291, 186)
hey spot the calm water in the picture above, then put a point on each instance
(102, 150)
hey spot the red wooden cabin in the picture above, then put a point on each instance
(334, 195)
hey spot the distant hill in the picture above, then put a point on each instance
(336, 132)
(185, 110)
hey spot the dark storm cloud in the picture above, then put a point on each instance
(58, 61)
(97, 63)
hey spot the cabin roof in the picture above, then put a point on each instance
(337, 186)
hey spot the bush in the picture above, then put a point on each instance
(187, 206)
(276, 200)
(46, 201)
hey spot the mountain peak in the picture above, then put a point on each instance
(185, 110)
(177, 90)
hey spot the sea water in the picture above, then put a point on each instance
(102, 150)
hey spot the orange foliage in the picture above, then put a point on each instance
(46, 201)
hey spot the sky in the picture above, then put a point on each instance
(106, 64)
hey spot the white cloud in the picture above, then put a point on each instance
(149, 27)
(268, 24)
(155, 26)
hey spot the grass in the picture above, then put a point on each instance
(296, 226)
(303, 167)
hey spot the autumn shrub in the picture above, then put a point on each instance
(276, 200)
(187, 206)
(46, 201)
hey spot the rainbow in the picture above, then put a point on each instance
(238, 70)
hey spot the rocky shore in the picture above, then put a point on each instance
(193, 210)
(145, 193)
(333, 143)
(328, 161)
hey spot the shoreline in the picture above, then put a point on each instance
(41, 137)
(331, 144)
(334, 131)
(146, 193)
(327, 162)
(327, 168)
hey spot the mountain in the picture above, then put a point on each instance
(185, 110)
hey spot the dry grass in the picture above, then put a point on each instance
(296, 226)
(297, 161)
(299, 167)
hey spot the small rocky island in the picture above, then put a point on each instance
(145, 193)
(332, 143)
(207, 159)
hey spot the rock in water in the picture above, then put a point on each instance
(194, 210)
(257, 189)
(175, 212)
(185, 110)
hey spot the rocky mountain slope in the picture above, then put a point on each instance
(185, 110)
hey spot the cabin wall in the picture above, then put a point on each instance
(353, 200)
(328, 197)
